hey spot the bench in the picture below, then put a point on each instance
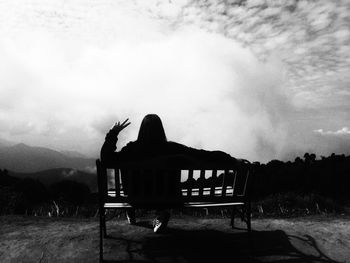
(204, 185)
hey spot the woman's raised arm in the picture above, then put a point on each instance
(110, 144)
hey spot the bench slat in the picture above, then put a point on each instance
(213, 181)
(117, 182)
(189, 181)
(234, 183)
(201, 182)
(224, 183)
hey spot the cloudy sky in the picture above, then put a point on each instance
(259, 79)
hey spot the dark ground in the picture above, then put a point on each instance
(188, 239)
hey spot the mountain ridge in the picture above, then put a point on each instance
(23, 158)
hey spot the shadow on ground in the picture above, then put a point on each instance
(208, 245)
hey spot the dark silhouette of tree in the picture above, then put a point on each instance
(306, 181)
(6, 179)
(70, 191)
(33, 190)
(328, 177)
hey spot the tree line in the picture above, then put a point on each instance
(307, 184)
(30, 196)
(327, 177)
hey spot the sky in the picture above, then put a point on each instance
(259, 79)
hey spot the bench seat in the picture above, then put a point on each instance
(188, 205)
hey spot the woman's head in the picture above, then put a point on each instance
(151, 130)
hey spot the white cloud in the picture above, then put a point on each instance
(342, 131)
(209, 90)
(222, 76)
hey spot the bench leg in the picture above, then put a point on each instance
(248, 216)
(101, 233)
(104, 223)
(233, 213)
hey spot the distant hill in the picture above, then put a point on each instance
(73, 154)
(5, 143)
(49, 177)
(28, 159)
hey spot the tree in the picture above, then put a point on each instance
(70, 191)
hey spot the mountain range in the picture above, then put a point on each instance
(23, 158)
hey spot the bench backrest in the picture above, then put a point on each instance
(165, 183)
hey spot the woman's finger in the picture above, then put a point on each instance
(126, 125)
(122, 127)
(125, 121)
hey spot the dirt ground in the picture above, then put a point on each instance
(188, 239)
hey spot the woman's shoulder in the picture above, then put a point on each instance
(179, 148)
(130, 146)
(176, 148)
(175, 144)
(200, 153)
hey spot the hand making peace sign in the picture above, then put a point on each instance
(118, 127)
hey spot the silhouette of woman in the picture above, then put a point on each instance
(152, 143)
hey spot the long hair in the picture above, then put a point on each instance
(151, 131)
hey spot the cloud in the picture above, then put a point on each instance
(229, 75)
(210, 91)
(310, 38)
(69, 173)
(340, 132)
(327, 142)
